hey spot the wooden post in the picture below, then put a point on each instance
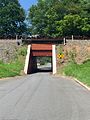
(72, 38)
(64, 41)
(16, 38)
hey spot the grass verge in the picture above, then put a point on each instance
(10, 69)
(15, 67)
(81, 72)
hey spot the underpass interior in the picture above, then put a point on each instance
(44, 64)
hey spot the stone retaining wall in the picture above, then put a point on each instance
(8, 49)
(80, 49)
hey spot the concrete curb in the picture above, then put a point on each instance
(82, 84)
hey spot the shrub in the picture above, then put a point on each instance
(22, 51)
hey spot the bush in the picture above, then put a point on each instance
(44, 60)
(22, 51)
(1, 62)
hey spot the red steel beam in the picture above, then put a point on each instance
(42, 53)
(41, 47)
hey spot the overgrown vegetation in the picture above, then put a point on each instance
(72, 67)
(12, 17)
(79, 71)
(57, 18)
(14, 67)
(11, 69)
(43, 60)
(53, 18)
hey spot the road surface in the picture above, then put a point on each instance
(42, 96)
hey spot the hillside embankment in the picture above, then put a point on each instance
(77, 50)
(12, 58)
(8, 50)
(76, 61)
(80, 49)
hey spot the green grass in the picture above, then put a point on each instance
(15, 67)
(11, 69)
(81, 72)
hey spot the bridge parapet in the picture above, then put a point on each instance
(44, 41)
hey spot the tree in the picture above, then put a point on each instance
(43, 16)
(70, 25)
(37, 17)
(85, 27)
(73, 25)
(56, 18)
(12, 18)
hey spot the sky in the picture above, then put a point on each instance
(27, 3)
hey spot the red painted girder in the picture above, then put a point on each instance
(42, 53)
(41, 46)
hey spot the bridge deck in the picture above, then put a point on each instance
(41, 49)
(43, 40)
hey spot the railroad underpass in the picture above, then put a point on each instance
(40, 50)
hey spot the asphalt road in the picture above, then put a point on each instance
(42, 96)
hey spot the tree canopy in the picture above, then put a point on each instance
(12, 18)
(52, 18)
(60, 17)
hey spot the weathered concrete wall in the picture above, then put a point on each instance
(79, 48)
(8, 49)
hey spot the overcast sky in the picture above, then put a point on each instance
(27, 3)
